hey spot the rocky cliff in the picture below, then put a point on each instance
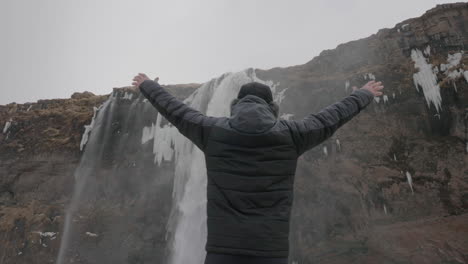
(390, 186)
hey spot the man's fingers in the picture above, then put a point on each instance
(380, 87)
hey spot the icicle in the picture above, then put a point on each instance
(338, 144)
(346, 85)
(385, 98)
(128, 96)
(427, 51)
(410, 181)
(88, 128)
(385, 209)
(393, 95)
(394, 156)
(279, 96)
(7, 126)
(325, 150)
(377, 99)
(426, 79)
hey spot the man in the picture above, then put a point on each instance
(251, 160)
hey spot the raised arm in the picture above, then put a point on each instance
(316, 128)
(190, 122)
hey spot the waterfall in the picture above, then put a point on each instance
(131, 159)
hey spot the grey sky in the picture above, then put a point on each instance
(52, 48)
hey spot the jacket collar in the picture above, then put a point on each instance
(252, 115)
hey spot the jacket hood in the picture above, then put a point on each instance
(252, 115)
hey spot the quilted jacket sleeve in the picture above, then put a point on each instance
(317, 127)
(190, 122)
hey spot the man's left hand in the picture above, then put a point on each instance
(137, 80)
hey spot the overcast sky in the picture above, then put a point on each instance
(52, 48)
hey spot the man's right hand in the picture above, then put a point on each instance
(372, 86)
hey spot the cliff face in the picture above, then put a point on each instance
(390, 186)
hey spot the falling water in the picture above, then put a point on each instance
(88, 162)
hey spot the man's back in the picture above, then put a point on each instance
(251, 160)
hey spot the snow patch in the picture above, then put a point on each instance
(91, 234)
(51, 235)
(426, 79)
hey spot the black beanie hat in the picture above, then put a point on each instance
(258, 89)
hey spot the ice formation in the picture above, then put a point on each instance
(385, 209)
(347, 85)
(426, 79)
(410, 181)
(166, 136)
(7, 126)
(466, 75)
(29, 108)
(279, 96)
(453, 60)
(127, 96)
(338, 144)
(91, 234)
(393, 95)
(88, 128)
(325, 150)
(369, 76)
(52, 235)
(427, 51)
(394, 156)
(385, 98)
(377, 99)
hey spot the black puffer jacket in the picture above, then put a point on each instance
(251, 160)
